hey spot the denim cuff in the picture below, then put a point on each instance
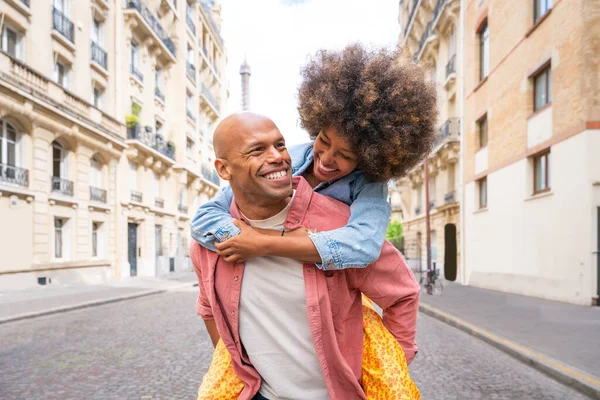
(328, 249)
(226, 232)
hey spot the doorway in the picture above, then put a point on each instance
(132, 251)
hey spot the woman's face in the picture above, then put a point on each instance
(334, 156)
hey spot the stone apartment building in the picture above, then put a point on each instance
(532, 148)
(430, 35)
(106, 117)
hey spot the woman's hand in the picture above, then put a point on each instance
(247, 244)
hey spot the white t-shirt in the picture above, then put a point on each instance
(274, 326)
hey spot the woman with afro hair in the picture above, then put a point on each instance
(371, 117)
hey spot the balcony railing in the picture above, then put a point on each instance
(136, 73)
(449, 197)
(151, 19)
(159, 203)
(190, 22)
(210, 174)
(158, 93)
(15, 175)
(26, 2)
(99, 55)
(449, 128)
(150, 139)
(191, 71)
(451, 66)
(97, 194)
(136, 196)
(63, 25)
(62, 186)
(182, 208)
(417, 210)
(210, 97)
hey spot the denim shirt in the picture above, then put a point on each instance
(355, 245)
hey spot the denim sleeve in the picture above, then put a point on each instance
(213, 220)
(359, 243)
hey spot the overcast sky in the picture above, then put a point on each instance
(277, 36)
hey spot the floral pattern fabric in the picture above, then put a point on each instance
(384, 371)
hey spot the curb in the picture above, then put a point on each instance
(563, 373)
(93, 303)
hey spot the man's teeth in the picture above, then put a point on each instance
(327, 169)
(276, 175)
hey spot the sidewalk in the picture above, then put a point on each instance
(560, 339)
(51, 299)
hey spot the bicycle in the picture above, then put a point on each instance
(431, 281)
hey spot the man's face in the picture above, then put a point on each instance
(260, 165)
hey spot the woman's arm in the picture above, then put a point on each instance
(213, 222)
(355, 245)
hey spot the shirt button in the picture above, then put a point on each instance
(235, 278)
(235, 342)
(233, 313)
(297, 221)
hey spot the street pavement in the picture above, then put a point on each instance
(155, 347)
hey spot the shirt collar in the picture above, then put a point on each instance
(298, 209)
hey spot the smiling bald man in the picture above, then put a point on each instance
(293, 331)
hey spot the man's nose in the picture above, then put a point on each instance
(274, 155)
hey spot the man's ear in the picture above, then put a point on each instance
(223, 169)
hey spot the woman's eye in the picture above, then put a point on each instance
(323, 141)
(345, 157)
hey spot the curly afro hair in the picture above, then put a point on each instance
(379, 101)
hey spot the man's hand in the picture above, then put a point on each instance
(247, 244)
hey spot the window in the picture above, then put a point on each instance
(159, 82)
(482, 127)
(97, 32)
(135, 62)
(452, 43)
(62, 73)
(95, 227)
(482, 184)
(95, 172)
(59, 227)
(132, 176)
(433, 238)
(97, 94)
(158, 240)
(59, 161)
(542, 86)
(433, 73)
(156, 184)
(541, 7)
(431, 191)
(484, 51)
(541, 173)
(12, 42)
(158, 126)
(419, 199)
(189, 101)
(62, 6)
(189, 148)
(8, 145)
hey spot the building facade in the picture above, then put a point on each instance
(430, 35)
(101, 168)
(532, 145)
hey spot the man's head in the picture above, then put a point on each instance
(252, 156)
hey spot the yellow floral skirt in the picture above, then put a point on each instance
(384, 371)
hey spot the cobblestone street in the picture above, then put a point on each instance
(155, 348)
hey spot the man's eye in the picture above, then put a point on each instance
(281, 146)
(323, 141)
(345, 157)
(257, 149)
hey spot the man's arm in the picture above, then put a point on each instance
(392, 286)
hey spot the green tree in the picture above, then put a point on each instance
(394, 233)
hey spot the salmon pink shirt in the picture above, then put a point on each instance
(333, 299)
